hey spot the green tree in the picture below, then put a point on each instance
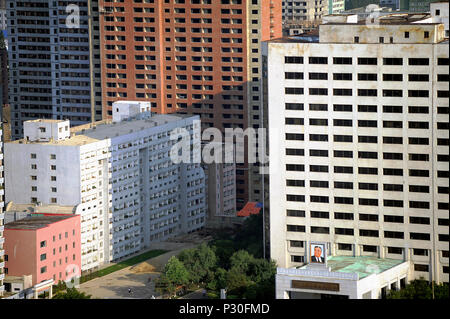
(200, 262)
(175, 272)
(420, 289)
(237, 282)
(241, 260)
(72, 293)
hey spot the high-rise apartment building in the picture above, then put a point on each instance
(52, 61)
(195, 56)
(119, 175)
(306, 12)
(2, 215)
(360, 158)
(3, 73)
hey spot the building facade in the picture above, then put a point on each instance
(46, 247)
(192, 57)
(52, 62)
(220, 180)
(2, 215)
(361, 160)
(119, 176)
(307, 13)
(63, 171)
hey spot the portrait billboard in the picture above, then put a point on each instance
(317, 253)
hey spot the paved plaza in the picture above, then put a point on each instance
(139, 278)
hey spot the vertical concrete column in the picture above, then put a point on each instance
(35, 294)
(50, 293)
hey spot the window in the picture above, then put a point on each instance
(340, 60)
(318, 76)
(392, 77)
(318, 60)
(297, 259)
(367, 61)
(418, 77)
(293, 75)
(342, 92)
(345, 247)
(43, 269)
(43, 244)
(368, 217)
(293, 91)
(318, 107)
(367, 108)
(295, 198)
(342, 107)
(345, 216)
(294, 106)
(320, 214)
(367, 76)
(293, 121)
(338, 122)
(393, 187)
(418, 93)
(296, 228)
(295, 183)
(392, 61)
(393, 219)
(344, 231)
(295, 152)
(293, 59)
(296, 243)
(343, 169)
(368, 170)
(343, 138)
(342, 76)
(368, 233)
(43, 257)
(393, 93)
(295, 213)
(367, 92)
(295, 167)
(318, 91)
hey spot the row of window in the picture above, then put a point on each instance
(365, 232)
(363, 60)
(364, 201)
(363, 139)
(366, 217)
(364, 108)
(365, 170)
(364, 92)
(366, 186)
(364, 77)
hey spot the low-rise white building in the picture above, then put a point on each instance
(120, 177)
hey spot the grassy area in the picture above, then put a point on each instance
(123, 264)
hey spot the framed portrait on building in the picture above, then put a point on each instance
(317, 253)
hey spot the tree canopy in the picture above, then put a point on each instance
(420, 289)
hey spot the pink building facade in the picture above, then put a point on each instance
(45, 246)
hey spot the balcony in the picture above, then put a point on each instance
(2, 264)
(2, 276)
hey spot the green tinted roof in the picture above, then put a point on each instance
(362, 265)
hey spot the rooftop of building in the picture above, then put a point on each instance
(107, 130)
(42, 209)
(362, 265)
(97, 131)
(35, 222)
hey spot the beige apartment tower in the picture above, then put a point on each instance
(359, 142)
